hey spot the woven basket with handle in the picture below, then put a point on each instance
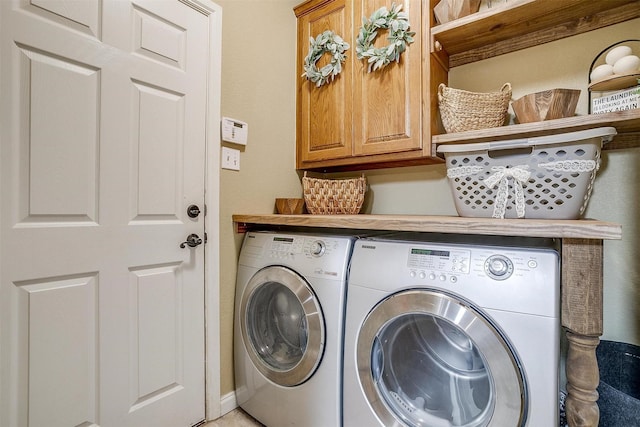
(462, 110)
(334, 196)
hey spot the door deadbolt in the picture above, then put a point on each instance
(193, 211)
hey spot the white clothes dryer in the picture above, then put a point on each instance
(442, 334)
(289, 327)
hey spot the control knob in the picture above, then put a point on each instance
(498, 267)
(317, 248)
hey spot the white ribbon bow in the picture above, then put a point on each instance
(520, 175)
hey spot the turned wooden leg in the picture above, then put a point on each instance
(583, 378)
(582, 316)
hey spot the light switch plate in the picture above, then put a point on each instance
(230, 158)
(234, 131)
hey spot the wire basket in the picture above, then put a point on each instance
(334, 196)
(548, 177)
(613, 82)
(461, 110)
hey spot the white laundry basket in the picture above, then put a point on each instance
(548, 177)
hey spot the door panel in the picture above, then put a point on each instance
(83, 15)
(58, 179)
(103, 142)
(63, 354)
(158, 39)
(156, 368)
(63, 106)
(157, 146)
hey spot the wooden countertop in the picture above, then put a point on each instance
(580, 229)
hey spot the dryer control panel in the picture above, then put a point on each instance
(438, 263)
(444, 260)
(522, 279)
(447, 262)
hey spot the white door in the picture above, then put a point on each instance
(102, 107)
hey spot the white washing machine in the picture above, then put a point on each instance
(442, 334)
(289, 326)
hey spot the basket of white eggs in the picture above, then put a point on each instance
(620, 69)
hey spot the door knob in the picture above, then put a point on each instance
(192, 241)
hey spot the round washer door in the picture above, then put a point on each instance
(282, 326)
(426, 358)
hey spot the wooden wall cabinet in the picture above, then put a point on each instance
(365, 120)
(390, 118)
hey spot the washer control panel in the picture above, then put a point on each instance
(287, 247)
(311, 256)
(281, 247)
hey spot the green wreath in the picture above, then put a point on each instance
(397, 23)
(327, 42)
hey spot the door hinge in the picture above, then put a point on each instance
(205, 237)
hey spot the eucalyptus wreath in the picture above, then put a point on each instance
(394, 20)
(326, 42)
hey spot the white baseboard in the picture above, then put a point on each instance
(228, 403)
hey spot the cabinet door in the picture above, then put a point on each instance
(387, 102)
(324, 126)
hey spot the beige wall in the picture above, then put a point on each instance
(258, 79)
(258, 87)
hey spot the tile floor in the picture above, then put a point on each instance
(235, 418)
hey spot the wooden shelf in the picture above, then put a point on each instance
(581, 229)
(520, 24)
(627, 123)
(615, 82)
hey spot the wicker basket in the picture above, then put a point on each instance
(461, 110)
(334, 196)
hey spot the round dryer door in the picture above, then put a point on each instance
(426, 358)
(282, 326)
